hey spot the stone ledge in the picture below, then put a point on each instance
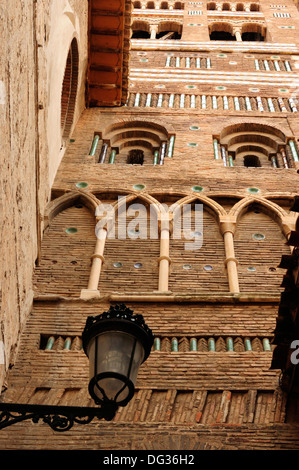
(163, 297)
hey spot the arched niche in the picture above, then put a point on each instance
(66, 250)
(211, 6)
(253, 32)
(259, 244)
(140, 30)
(169, 30)
(132, 249)
(253, 144)
(130, 138)
(197, 251)
(69, 89)
(221, 32)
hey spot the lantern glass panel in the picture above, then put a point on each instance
(114, 352)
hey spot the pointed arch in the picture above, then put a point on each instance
(67, 200)
(147, 198)
(270, 208)
(197, 249)
(211, 205)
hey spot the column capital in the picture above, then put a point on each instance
(288, 224)
(165, 222)
(227, 224)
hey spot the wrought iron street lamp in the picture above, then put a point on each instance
(116, 343)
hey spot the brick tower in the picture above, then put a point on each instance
(204, 129)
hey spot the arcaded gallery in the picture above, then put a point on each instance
(150, 232)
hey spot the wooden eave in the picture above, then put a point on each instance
(109, 31)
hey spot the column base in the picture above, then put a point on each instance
(90, 294)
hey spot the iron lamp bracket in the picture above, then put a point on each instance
(59, 418)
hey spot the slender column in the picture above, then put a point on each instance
(94, 145)
(170, 147)
(227, 229)
(284, 158)
(137, 99)
(282, 105)
(238, 35)
(96, 266)
(148, 99)
(103, 153)
(164, 260)
(293, 106)
(248, 103)
(162, 152)
(294, 151)
(230, 160)
(171, 101)
(156, 157)
(97, 260)
(224, 155)
(274, 162)
(112, 156)
(153, 30)
(216, 149)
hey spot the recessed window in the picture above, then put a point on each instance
(251, 268)
(135, 157)
(69, 89)
(139, 186)
(252, 161)
(194, 128)
(252, 36)
(222, 36)
(140, 34)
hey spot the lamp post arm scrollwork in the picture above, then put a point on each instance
(59, 418)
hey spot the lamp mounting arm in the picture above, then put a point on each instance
(59, 418)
